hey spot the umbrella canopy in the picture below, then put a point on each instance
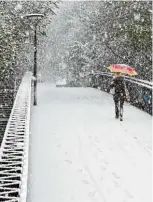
(122, 68)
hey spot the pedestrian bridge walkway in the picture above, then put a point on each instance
(80, 152)
(70, 148)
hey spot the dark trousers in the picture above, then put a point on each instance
(119, 102)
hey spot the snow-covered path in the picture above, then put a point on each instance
(80, 153)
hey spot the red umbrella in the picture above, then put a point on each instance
(122, 68)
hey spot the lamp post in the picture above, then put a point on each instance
(36, 17)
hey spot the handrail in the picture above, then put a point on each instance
(14, 147)
(144, 83)
(140, 92)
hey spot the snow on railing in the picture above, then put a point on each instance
(140, 82)
(14, 148)
(140, 91)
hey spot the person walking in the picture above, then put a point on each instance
(119, 86)
(119, 96)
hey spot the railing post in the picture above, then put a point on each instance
(35, 65)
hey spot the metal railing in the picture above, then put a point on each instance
(140, 91)
(14, 147)
(6, 104)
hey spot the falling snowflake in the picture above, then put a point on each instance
(137, 16)
(94, 37)
(18, 7)
(105, 34)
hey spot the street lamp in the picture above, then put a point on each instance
(36, 17)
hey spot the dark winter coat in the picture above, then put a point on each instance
(119, 86)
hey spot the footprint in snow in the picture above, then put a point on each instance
(116, 176)
(68, 161)
(102, 167)
(80, 170)
(116, 184)
(128, 194)
(91, 194)
(85, 182)
(100, 150)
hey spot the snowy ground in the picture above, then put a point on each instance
(80, 153)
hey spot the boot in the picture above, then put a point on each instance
(117, 116)
(121, 115)
(117, 112)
